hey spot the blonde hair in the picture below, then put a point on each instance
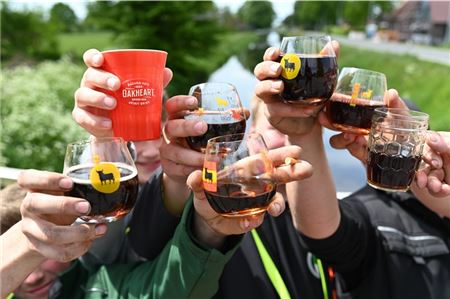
(11, 198)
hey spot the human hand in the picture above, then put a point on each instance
(287, 118)
(435, 174)
(217, 227)
(92, 106)
(48, 215)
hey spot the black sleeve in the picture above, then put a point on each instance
(151, 225)
(351, 248)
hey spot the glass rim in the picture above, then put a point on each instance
(402, 113)
(96, 139)
(364, 71)
(245, 136)
(202, 85)
(313, 36)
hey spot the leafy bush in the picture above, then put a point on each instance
(36, 115)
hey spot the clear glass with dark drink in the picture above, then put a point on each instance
(358, 93)
(103, 173)
(395, 146)
(238, 175)
(220, 107)
(309, 69)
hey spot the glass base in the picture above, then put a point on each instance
(97, 219)
(388, 188)
(245, 213)
(351, 129)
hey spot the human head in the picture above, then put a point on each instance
(147, 153)
(38, 283)
(260, 124)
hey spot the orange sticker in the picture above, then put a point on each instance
(236, 114)
(355, 93)
(209, 176)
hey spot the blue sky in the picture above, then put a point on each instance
(283, 8)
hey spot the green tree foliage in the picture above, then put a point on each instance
(63, 17)
(188, 31)
(26, 34)
(315, 14)
(257, 14)
(36, 120)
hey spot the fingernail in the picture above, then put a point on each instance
(65, 183)
(109, 101)
(100, 230)
(82, 207)
(309, 112)
(106, 124)
(97, 59)
(191, 101)
(270, 52)
(245, 223)
(199, 126)
(274, 67)
(277, 208)
(276, 85)
(111, 82)
(434, 138)
(435, 163)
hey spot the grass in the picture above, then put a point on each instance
(78, 43)
(425, 83)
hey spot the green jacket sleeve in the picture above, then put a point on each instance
(184, 269)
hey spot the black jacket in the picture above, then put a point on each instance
(388, 245)
(244, 276)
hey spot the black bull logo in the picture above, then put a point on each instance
(105, 177)
(208, 177)
(289, 66)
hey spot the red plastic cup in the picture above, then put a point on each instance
(137, 115)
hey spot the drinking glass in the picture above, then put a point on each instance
(220, 107)
(395, 148)
(309, 69)
(358, 93)
(238, 175)
(104, 174)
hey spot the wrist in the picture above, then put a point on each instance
(175, 194)
(205, 234)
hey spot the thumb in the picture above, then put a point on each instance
(394, 100)
(194, 181)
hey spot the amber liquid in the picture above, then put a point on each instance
(247, 197)
(314, 83)
(393, 173)
(349, 115)
(218, 125)
(105, 207)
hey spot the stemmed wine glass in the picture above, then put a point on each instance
(220, 107)
(103, 173)
(358, 93)
(238, 175)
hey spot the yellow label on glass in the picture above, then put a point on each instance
(105, 177)
(290, 66)
(209, 176)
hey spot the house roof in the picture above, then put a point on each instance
(440, 11)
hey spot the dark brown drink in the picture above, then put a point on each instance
(105, 206)
(351, 115)
(391, 172)
(315, 82)
(218, 125)
(241, 198)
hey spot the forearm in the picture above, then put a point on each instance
(17, 259)
(176, 194)
(313, 201)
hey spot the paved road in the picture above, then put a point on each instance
(437, 55)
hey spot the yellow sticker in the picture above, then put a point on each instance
(221, 102)
(105, 177)
(209, 176)
(290, 66)
(367, 94)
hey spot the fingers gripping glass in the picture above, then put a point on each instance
(103, 173)
(220, 107)
(238, 175)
